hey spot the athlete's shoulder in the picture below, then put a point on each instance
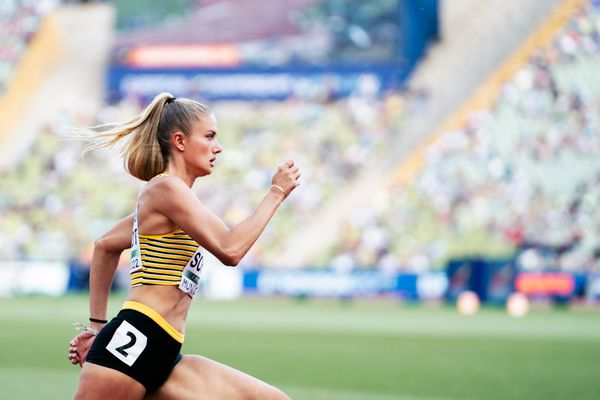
(167, 183)
(164, 188)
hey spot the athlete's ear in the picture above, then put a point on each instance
(178, 140)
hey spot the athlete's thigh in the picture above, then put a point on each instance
(97, 382)
(197, 377)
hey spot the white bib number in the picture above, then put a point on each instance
(127, 343)
(135, 263)
(190, 279)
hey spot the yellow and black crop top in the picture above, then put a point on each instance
(172, 259)
(164, 258)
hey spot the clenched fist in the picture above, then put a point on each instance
(286, 177)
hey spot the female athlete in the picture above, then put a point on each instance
(137, 354)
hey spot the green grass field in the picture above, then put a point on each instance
(322, 350)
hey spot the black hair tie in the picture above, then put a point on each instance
(171, 100)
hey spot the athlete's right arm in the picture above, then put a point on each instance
(107, 251)
(172, 198)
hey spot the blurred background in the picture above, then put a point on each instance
(451, 183)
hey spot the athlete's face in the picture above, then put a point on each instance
(203, 146)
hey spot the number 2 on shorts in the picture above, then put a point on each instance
(127, 343)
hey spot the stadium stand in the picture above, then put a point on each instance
(51, 203)
(518, 176)
(19, 20)
(472, 189)
(336, 139)
(453, 69)
(27, 54)
(40, 211)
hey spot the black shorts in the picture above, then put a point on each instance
(139, 343)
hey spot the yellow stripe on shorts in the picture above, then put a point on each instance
(156, 317)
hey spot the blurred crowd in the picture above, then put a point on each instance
(332, 142)
(19, 20)
(54, 202)
(521, 178)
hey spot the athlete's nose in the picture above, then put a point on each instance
(217, 148)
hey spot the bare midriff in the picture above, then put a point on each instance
(170, 302)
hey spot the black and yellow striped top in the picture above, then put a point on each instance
(163, 258)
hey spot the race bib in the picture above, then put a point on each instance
(190, 279)
(127, 343)
(135, 262)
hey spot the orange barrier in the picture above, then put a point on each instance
(489, 91)
(41, 56)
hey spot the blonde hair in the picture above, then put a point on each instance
(146, 152)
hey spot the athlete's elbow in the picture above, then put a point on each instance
(102, 244)
(230, 263)
(102, 249)
(231, 252)
(107, 245)
(230, 260)
(231, 256)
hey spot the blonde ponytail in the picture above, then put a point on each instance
(146, 152)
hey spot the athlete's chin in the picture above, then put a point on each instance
(205, 172)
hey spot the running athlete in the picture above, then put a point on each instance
(137, 354)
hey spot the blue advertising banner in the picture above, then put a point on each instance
(327, 283)
(252, 83)
(592, 290)
(492, 279)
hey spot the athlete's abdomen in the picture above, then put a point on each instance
(170, 302)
